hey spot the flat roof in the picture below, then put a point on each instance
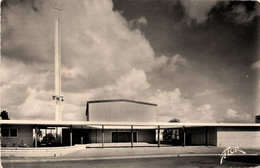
(120, 100)
(151, 124)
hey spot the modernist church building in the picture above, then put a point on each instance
(129, 121)
(115, 111)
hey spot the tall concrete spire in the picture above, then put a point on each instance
(58, 97)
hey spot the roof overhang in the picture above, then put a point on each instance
(124, 124)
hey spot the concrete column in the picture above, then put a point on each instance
(132, 137)
(70, 135)
(56, 134)
(207, 136)
(0, 144)
(1, 166)
(61, 136)
(184, 135)
(103, 136)
(36, 137)
(96, 136)
(57, 54)
(158, 136)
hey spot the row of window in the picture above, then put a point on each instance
(9, 132)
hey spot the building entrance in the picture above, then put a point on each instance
(123, 137)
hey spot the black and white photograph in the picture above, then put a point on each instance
(130, 83)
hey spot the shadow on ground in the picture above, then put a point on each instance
(246, 159)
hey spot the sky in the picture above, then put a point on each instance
(197, 60)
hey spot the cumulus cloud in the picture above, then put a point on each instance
(25, 93)
(173, 63)
(206, 113)
(235, 116)
(207, 92)
(131, 84)
(102, 58)
(197, 11)
(204, 93)
(36, 106)
(240, 14)
(17, 78)
(25, 34)
(128, 86)
(98, 50)
(134, 85)
(172, 104)
(95, 39)
(139, 22)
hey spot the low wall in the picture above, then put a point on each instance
(15, 152)
(247, 137)
(24, 133)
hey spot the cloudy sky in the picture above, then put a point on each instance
(198, 60)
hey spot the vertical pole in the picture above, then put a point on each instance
(132, 137)
(60, 136)
(0, 141)
(96, 136)
(207, 136)
(45, 135)
(0, 89)
(70, 135)
(184, 136)
(57, 69)
(103, 136)
(36, 136)
(56, 135)
(158, 136)
(89, 135)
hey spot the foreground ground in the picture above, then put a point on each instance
(142, 156)
(201, 161)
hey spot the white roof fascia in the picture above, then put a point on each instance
(90, 123)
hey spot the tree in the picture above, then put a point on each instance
(4, 115)
(175, 120)
(167, 135)
(49, 138)
(171, 135)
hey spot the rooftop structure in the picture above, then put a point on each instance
(121, 110)
(257, 119)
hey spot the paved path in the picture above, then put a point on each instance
(142, 151)
(207, 161)
(137, 152)
(151, 151)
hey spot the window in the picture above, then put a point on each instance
(13, 132)
(5, 132)
(9, 132)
